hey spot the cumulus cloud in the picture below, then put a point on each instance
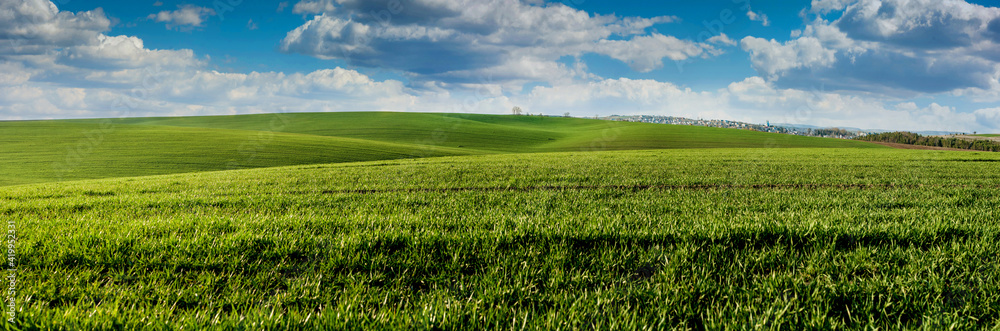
(754, 100)
(774, 58)
(45, 44)
(825, 6)
(97, 75)
(100, 75)
(918, 24)
(327, 89)
(121, 52)
(758, 17)
(313, 7)
(988, 118)
(890, 47)
(13, 73)
(721, 39)
(413, 36)
(37, 26)
(184, 18)
(646, 53)
(158, 91)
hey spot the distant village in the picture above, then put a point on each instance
(826, 133)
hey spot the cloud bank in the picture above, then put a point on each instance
(898, 48)
(480, 37)
(855, 70)
(186, 17)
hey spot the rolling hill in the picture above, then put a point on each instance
(57, 150)
(498, 133)
(674, 239)
(43, 151)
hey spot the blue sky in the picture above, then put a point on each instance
(889, 64)
(234, 47)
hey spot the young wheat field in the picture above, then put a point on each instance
(801, 238)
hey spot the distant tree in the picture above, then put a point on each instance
(516, 110)
(911, 138)
(566, 114)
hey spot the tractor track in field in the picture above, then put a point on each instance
(656, 187)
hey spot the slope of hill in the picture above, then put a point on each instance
(499, 133)
(676, 239)
(39, 151)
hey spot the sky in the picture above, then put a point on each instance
(872, 64)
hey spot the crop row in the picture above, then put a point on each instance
(616, 240)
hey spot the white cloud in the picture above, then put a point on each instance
(773, 58)
(96, 75)
(758, 17)
(646, 53)
(918, 24)
(202, 92)
(69, 48)
(474, 35)
(120, 52)
(158, 93)
(988, 118)
(721, 39)
(511, 75)
(251, 25)
(338, 88)
(313, 7)
(13, 73)
(37, 26)
(619, 96)
(753, 100)
(185, 17)
(327, 37)
(901, 48)
(825, 6)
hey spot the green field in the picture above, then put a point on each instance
(667, 239)
(456, 221)
(987, 135)
(45, 151)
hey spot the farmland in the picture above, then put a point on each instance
(500, 165)
(800, 238)
(44, 151)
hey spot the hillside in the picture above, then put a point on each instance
(500, 133)
(795, 239)
(41, 151)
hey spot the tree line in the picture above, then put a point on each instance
(911, 138)
(832, 132)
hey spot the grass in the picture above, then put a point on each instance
(45, 151)
(41, 151)
(987, 135)
(665, 239)
(502, 133)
